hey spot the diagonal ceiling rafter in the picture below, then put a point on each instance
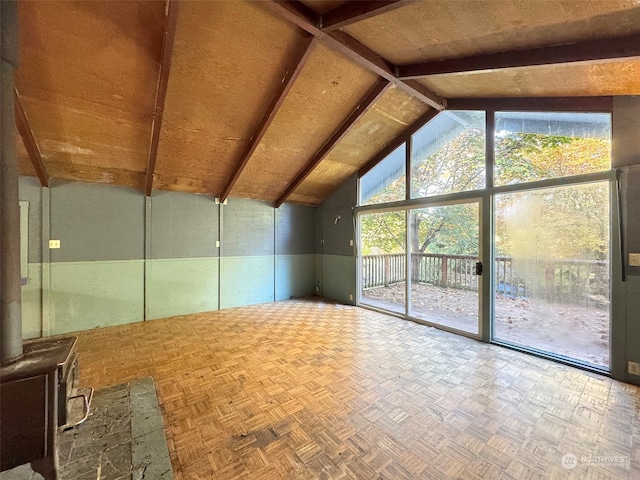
(363, 107)
(607, 49)
(171, 23)
(29, 140)
(353, 12)
(300, 15)
(260, 48)
(290, 77)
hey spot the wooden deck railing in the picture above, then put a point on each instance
(573, 281)
(383, 270)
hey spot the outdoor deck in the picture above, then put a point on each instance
(564, 316)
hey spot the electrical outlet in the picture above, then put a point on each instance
(54, 243)
(634, 368)
(218, 243)
(351, 297)
(351, 243)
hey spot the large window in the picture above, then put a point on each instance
(539, 146)
(552, 275)
(543, 192)
(447, 154)
(387, 181)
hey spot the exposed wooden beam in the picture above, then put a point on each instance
(22, 124)
(367, 58)
(399, 140)
(171, 11)
(360, 54)
(292, 73)
(363, 107)
(299, 14)
(353, 12)
(553, 104)
(422, 93)
(587, 51)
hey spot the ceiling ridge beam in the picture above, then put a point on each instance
(541, 104)
(307, 12)
(291, 75)
(297, 13)
(353, 12)
(29, 140)
(172, 9)
(398, 141)
(606, 49)
(363, 107)
(367, 58)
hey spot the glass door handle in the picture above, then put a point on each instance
(478, 268)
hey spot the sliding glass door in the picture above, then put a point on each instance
(445, 247)
(383, 260)
(552, 271)
(533, 204)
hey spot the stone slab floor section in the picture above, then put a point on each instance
(123, 439)
(312, 390)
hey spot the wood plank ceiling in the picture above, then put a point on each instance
(283, 101)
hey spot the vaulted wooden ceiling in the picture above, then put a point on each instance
(283, 101)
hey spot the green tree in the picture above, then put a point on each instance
(570, 222)
(459, 165)
(383, 233)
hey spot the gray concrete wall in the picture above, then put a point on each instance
(96, 222)
(295, 229)
(267, 254)
(183, 225)
(295, 251)
(626, 295)
(96, 277)
(345, 195)
(626, 131)
(335, 244)
(630, 193)
(337, 225)
(626, 157)
(338, 231)
(247, 228)
(126, 258)
(181, 268)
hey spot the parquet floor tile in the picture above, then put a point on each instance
(304, 389)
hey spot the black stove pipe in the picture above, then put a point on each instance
(10, 301)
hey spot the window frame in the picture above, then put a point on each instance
(486, 198)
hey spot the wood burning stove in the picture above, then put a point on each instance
(36, 394)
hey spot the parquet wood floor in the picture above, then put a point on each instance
(311, 390)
